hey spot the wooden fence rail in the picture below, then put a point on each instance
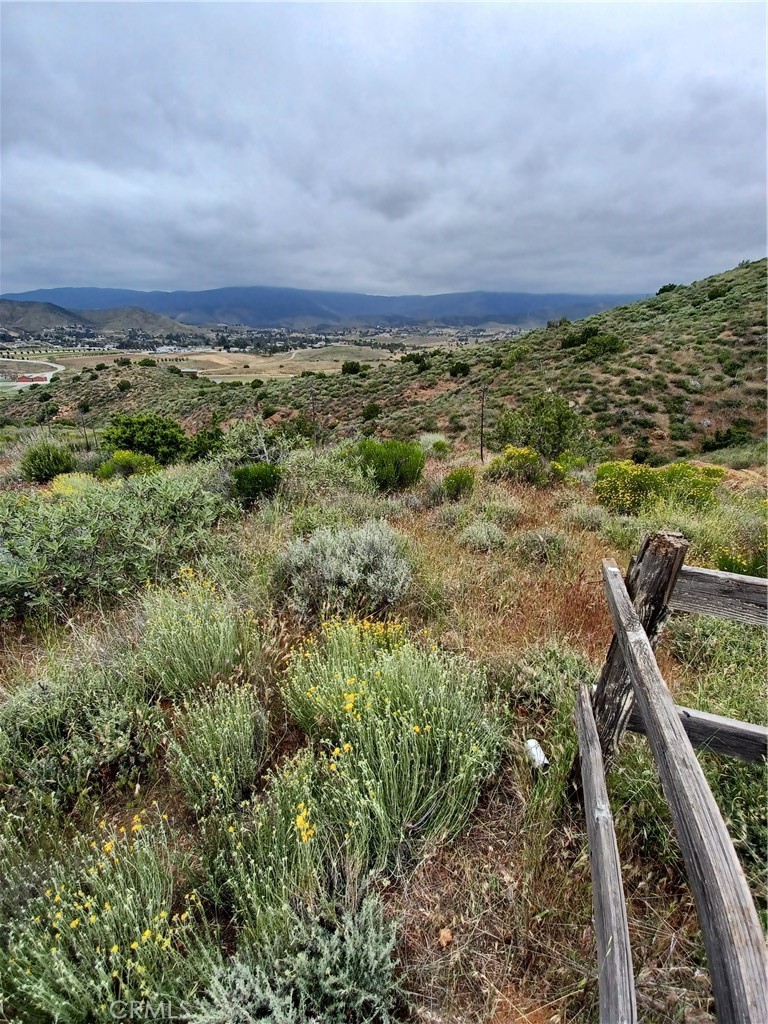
(724, 594)
(719, 735)
(730, 926)
(631, 694)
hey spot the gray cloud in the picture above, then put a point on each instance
(386, 148)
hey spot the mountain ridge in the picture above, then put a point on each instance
(263, 306)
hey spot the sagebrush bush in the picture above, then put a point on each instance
(44, 460)
(329, 972)
(364, 570)
(219, 746)
(586, 517)
(450, 515)
(520, 465)
(459, 483)
(257, 480)
(504, 513)
(393, 465)
(541, 547)
(482, 536)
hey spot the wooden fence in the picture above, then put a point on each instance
(631, 694)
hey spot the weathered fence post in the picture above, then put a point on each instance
(650, 580)
(617, 988)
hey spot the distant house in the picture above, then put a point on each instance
(37, 378)
(189, 373)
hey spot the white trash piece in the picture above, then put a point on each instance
(536, 756)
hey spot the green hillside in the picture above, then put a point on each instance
(670, 374)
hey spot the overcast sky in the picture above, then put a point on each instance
(387, 148)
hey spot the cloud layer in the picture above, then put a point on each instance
(385, 148)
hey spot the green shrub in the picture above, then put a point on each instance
(123, 385)
(100, 544)
(44, 460)
(333, 971)
(459, 368)
(392, 464)
(146, 432)
(371, 411)
(259, 480)
(206, 442)
(147, 361)
(351, 366)
(219, 747)
(459, 483)
(364, 570)
(440, 449)
(521, 465)
(482, 536)
(126, 464)
(601, 345)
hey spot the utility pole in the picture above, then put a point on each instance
(313, 400)
(483, 396)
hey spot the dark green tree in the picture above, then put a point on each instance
(146, 432)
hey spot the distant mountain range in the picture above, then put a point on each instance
(285, 307)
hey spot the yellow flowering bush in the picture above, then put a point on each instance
(407, 734)
(626, 487)
(517, 464)
(103, 921)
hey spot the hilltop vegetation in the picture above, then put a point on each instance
(667, 376)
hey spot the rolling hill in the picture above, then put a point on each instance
(36, 316)
(671, 373)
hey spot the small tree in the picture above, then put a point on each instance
(146, 432)
(547, 424)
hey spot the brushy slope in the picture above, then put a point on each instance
(676, 369)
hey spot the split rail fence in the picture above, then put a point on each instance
(631, 694)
